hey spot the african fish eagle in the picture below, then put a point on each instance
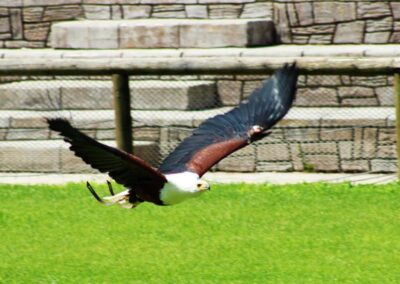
(178, 177)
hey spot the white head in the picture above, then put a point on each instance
(182, 186)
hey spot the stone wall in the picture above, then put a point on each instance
(26, 23)
(326, 22)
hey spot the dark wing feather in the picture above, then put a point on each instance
(223, 134)
(123, 167)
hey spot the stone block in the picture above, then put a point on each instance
(387, 136)
(240, 161)
(322, 163)
(274, 167)
(292, 14)
(16, 23)
(105, 134)
(97, 12)
(273, 152)
(319, 148)
(36, 31)
(317, 97)
(346, 149)
(229, 92)
(320, 39)
(323, 80)
(168, 11)
(383, 166)
(61, 13)
(304, 13)
(379, 37)
(257, 10)
(386, 151)
(146, 134)
(4, 25)
(30, 95)
(282, 20)
(337, 134)
(358, 102)
(301, 134)
(369, 144)
(181, 95)
(136, 11)
(395, 37)
(297, 156)
(333, 11)
(351, 32)
(369, 9)
(395, 10)
(355, 92)
(22, 156)
(27, 134)
(149, 34)
(370, 81)
(224, 11)
(50, 2)
(86, 94)
(116, 12)
(32, 14)
(70, 163)
(24, 44)
(196, 11)
(85, 34)
(312, 30)
(354, 166)
(378, 25)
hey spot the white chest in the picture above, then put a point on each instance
(179, 187)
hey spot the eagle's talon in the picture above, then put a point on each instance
(91, 189)
(110, 188)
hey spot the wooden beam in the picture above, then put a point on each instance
(196, 65)
(122, 107)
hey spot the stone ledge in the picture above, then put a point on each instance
(162, 33)
(54, 156)
(386, 50)
(94, 95)
(297, 117)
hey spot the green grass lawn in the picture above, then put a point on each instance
(309, 233)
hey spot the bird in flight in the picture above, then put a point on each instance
(178, 176)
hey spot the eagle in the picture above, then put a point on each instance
(179, 176)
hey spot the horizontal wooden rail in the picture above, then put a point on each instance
(198, 65)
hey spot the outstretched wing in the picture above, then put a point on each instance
(223, 134)
(123, 167)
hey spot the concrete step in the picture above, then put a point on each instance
(94, 95)
(163, 33)
(54, 156)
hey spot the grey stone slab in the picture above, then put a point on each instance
(378, 37)
(351, 32)
(272, 51)
(30, 95)
(85, 34)
(383, 166)
(258, 10)
(334, 50)
(355, 166)
(322, 96)
(173, 95)
(136, 11)
(304, 13)
(229, 92)
(385, 96)
(97, 12)
(369, 9)
(212, 52)
(273, 152)
(333, 11)
(38, 156)
(196, 11)
(241, 161)
(149, 34)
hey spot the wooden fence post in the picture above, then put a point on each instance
(397, 102)
(122, 107)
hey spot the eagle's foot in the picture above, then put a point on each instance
(121, 198)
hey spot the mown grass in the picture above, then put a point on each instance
(309, 233)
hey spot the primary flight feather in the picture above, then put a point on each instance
(178, 176)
